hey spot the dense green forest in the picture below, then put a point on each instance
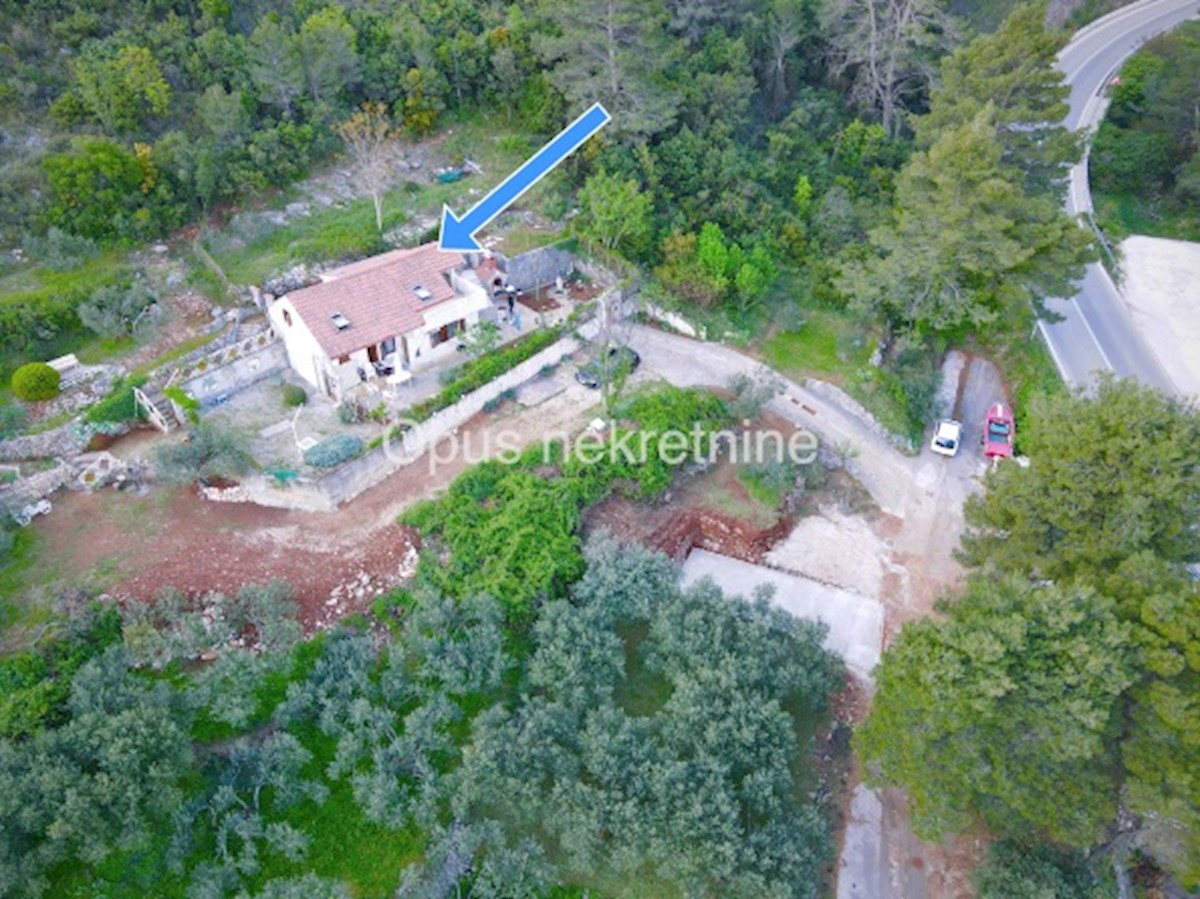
(760, 175)
(1145, 165)
(749, 141)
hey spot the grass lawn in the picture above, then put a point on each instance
(17, 617)
(27, 278)
(523, 239)
(832, 345)
(829, 345)
(330, 233)
(723, 488)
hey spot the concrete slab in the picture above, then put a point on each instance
(535, 392)
(1160, 288)
(862, 863)
(855, 622)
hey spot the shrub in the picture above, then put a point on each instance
(294, 395)
(35, 382)
(1016, 872)
(116, 309)
(333, 451)
(12, 420)
(118, 407)
(185, 401)
(916, 383)
(752, 392)
(392, 606)
(770, 481)
(61, 251)
(208, 455)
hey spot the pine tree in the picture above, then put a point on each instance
(967, 245)
(613, 52)
(1012, 70)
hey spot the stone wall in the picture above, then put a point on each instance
(238, 372)
(225, 350)
(537, 267)
(673, 320)
(839, 397)
(30, 489)
(61, 442)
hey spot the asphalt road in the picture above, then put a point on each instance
(1097, 333)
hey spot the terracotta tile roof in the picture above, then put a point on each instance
(377, 297)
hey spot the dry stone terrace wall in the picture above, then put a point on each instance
(61, 442)
(35, 486)
(225, 351)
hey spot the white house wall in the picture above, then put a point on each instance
(465, 307)
(305, 355)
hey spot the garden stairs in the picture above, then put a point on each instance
(159, 410)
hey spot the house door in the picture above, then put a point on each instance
(372, 353)
(443, 334)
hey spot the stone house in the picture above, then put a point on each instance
(380, 317)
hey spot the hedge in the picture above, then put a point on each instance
(36, 381)
(484, 370)
(333, 451)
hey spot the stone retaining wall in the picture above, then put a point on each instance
(238, 373)
(61, 442)
(34, 487)
(228, 349)
(839, 397)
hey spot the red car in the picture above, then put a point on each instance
(998, 432)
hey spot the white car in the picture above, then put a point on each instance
(946, 437)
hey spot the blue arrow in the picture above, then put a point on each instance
(458, 235)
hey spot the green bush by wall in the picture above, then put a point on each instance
(35, 381)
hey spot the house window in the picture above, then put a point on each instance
(388, 346)
(287, 318)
